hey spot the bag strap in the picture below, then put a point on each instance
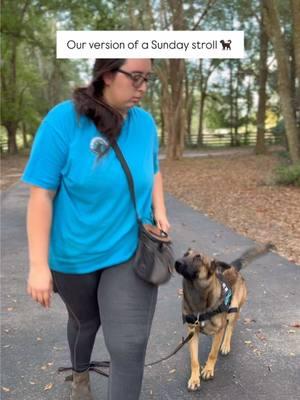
(126, 169)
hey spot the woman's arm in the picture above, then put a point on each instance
(158, 201)
(39, 219)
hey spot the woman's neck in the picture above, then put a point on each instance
(122, 111)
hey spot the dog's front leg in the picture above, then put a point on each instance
(209, 369)
(194, 381)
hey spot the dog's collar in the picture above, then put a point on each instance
(200, 318)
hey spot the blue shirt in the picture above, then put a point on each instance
(94, 223)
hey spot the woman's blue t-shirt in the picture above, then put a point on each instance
(94, 223)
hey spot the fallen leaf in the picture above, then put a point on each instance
(261, 336)
(248, 321)
(295, 325)
(5, 389)
(49, 386)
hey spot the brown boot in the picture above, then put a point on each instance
(81, 389)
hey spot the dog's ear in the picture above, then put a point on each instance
(222, 265)
(213, 265)
(187, 252)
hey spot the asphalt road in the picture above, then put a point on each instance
(265, 359)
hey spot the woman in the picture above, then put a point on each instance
(81, 223)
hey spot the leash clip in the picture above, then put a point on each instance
(198, 322)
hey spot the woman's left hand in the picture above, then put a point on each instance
(162, 221)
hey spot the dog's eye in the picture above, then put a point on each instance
(197, 257)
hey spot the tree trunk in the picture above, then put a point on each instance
(11, 122)
(162, 126)
(201, 105)
(236, 106)
(25, 141)
(188, 107)
(176, 112)
(273, 28)
(189, 103)
(201, 119)
(296, 47)
(11, 134)
(249, 106)
(260, 147)
(231, 102)
(162, 70)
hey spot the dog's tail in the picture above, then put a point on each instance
(250, 255)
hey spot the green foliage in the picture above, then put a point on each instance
(279, 129)
(216, 116)
(288, 175)
(32, 79)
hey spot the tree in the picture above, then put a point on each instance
(285, 81)
(260, 147)
(32, 79)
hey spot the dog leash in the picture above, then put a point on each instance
(183, 342)
(96, 365)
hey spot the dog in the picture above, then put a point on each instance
(226, 45)
(213, 294)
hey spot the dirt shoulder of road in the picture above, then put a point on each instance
(11, 170)
(236, 190)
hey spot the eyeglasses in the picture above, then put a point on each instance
(137, 78)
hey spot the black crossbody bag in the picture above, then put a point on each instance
(154, 257)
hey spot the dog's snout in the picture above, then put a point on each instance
(179, 264)
(185, 269)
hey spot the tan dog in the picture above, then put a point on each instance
(213, 294)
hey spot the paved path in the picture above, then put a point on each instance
(265, 361)
(221, 152)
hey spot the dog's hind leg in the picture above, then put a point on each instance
(209, 369)
(231, 322)
(194, 381)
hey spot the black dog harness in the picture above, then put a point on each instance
(200, 318)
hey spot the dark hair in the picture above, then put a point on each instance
(89, 101)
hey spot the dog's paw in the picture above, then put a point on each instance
(225, 349)
(194, 383)
(208, 372)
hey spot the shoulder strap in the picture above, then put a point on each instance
(126, 169)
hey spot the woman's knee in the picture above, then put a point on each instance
(90, 324)
(127, 348)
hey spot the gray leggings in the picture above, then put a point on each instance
(124, 305)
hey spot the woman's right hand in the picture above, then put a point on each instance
(40, 285)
